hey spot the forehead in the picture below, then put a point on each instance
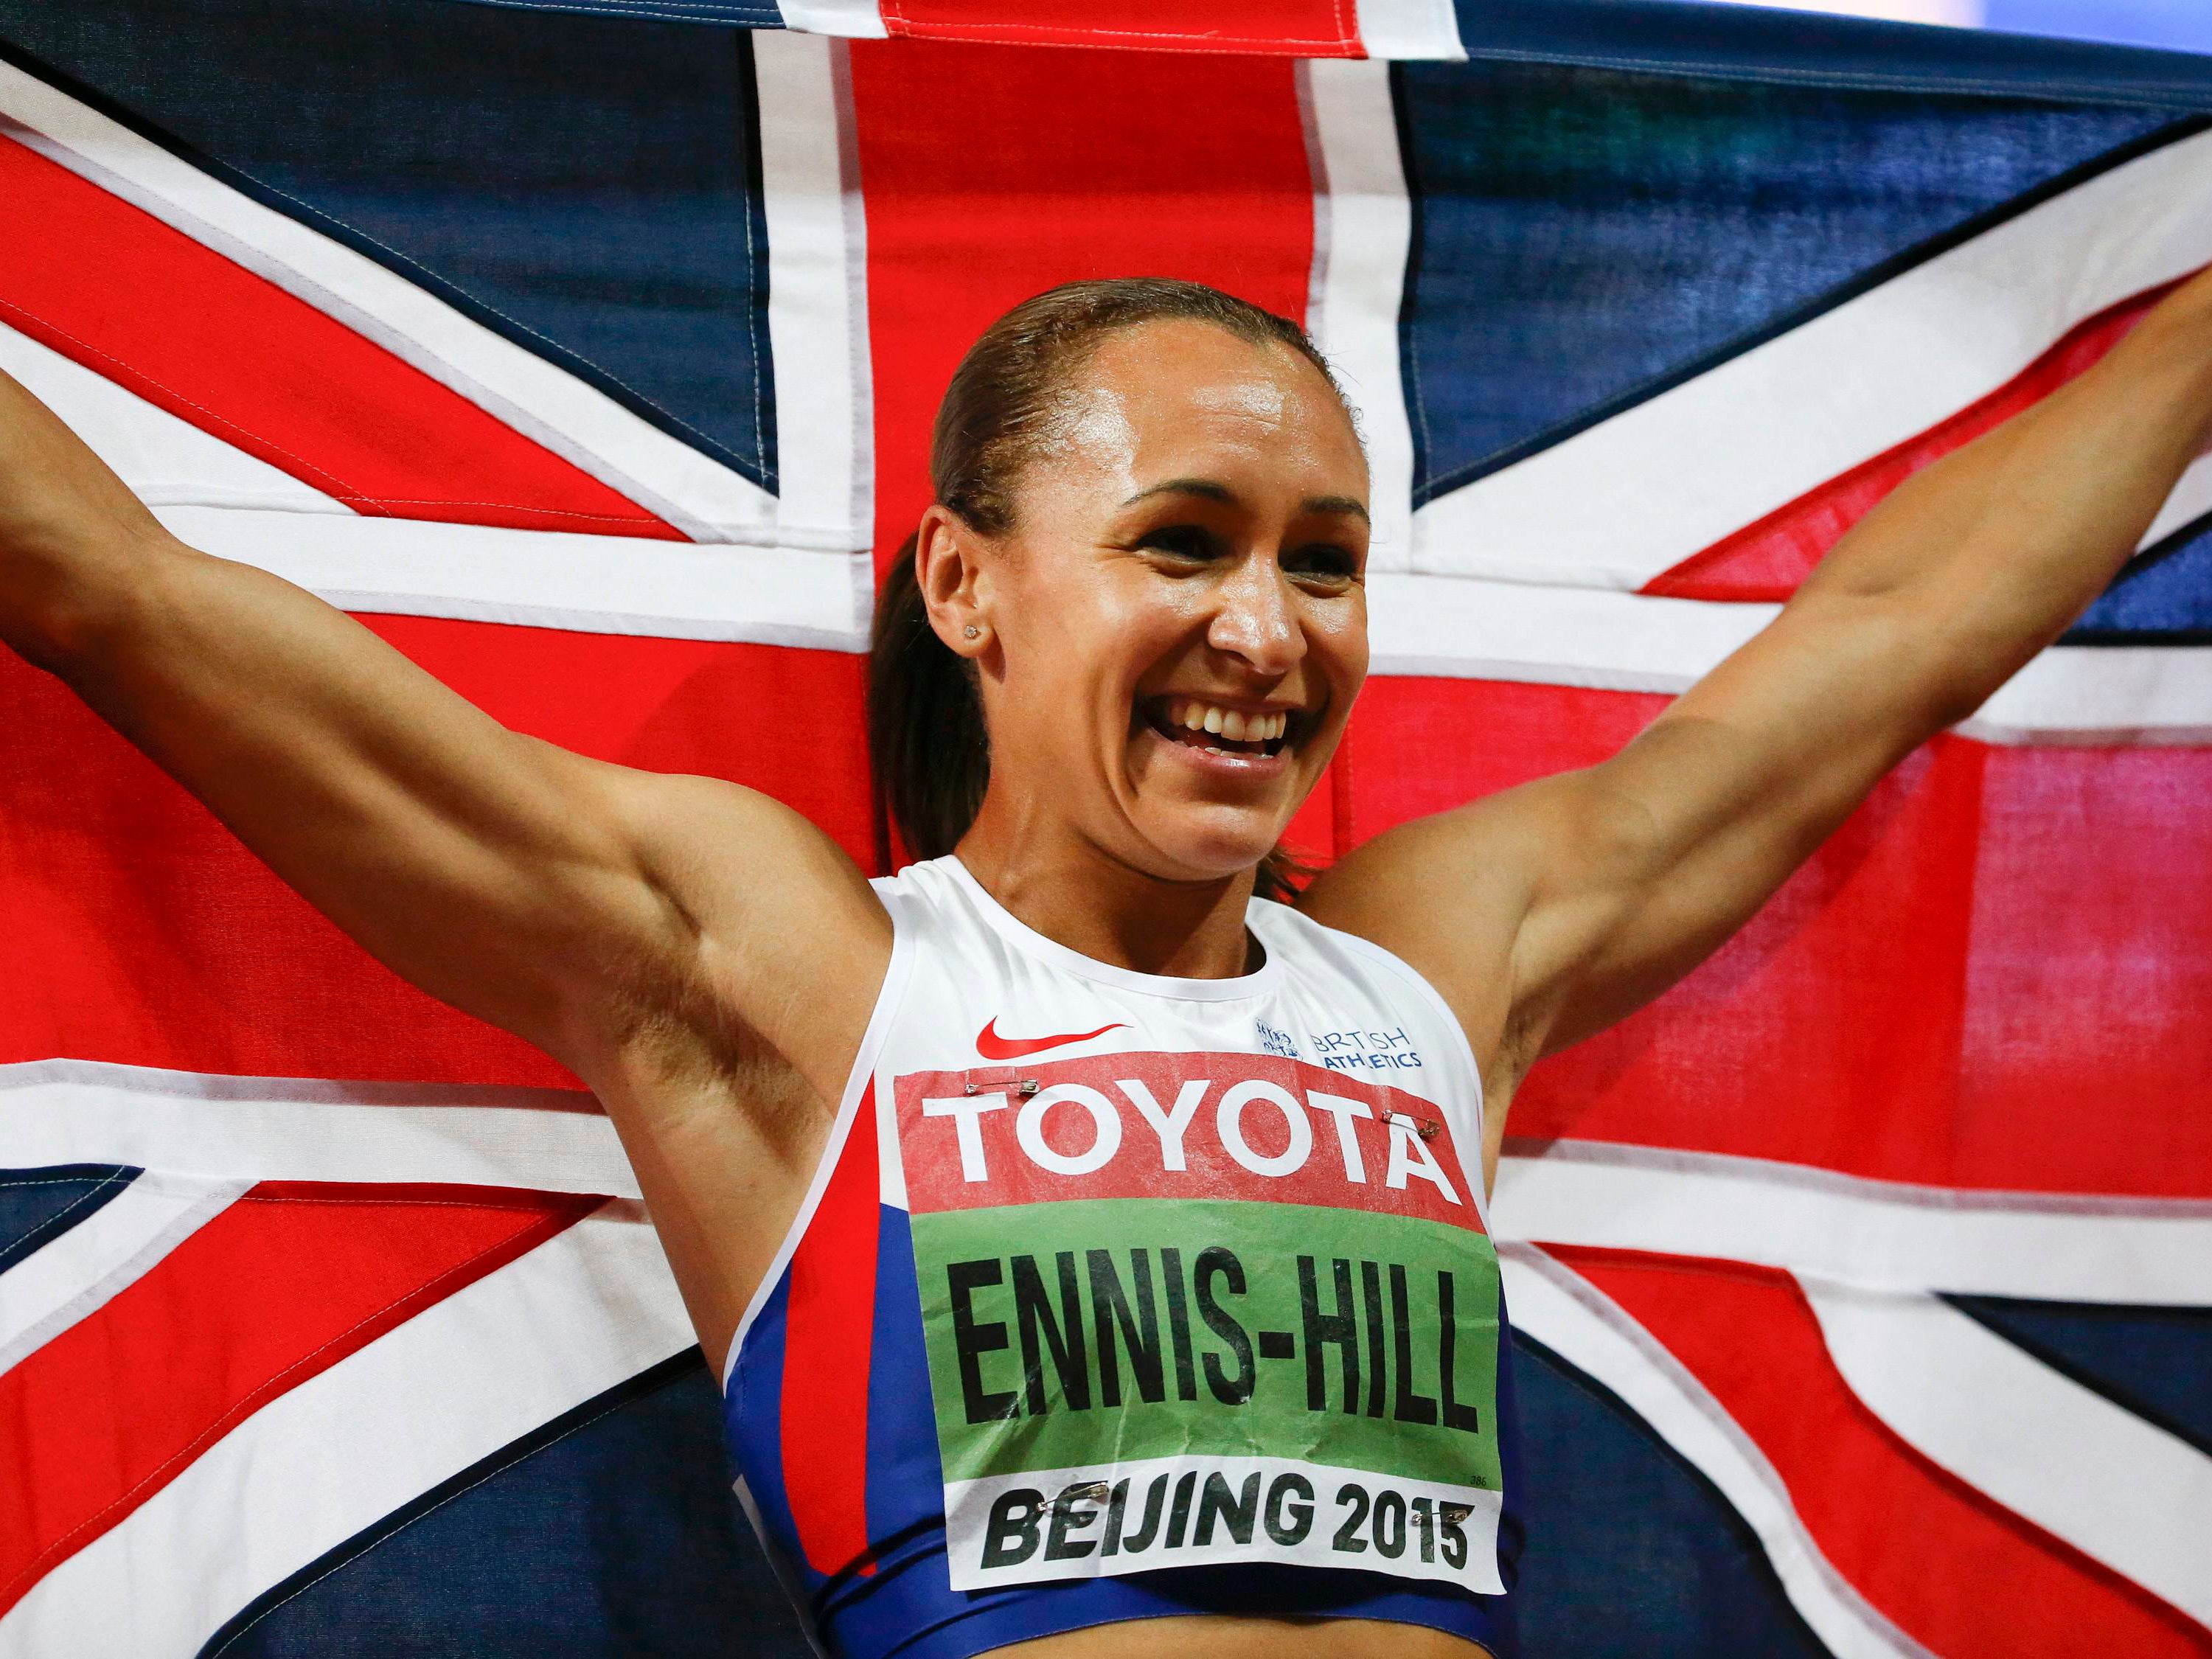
(1179, 397)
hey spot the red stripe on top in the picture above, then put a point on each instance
(829, 1318)
(1304, 28)
(113, 289)
(1994, 975)
(139, 931)
(993, 172)
(1765, 561)
(1953, 1568)
(282, 1285)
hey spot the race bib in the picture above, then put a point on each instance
(1188, 1309)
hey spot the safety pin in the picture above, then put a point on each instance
(1093, 1492)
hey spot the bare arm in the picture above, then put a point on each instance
(1548, 912)
(695, 951)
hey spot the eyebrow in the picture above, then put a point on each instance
(1212, 490)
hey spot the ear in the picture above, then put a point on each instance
(951, 572)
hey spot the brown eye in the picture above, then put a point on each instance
(1182, 541)
(1326, 560)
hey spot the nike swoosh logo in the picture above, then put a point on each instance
(992, 1046)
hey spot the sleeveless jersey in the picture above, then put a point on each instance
(1118, 1296)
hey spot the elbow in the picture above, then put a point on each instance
(55, 631)
(69, 615)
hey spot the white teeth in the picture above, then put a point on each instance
(1234, 724)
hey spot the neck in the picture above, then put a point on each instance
(1078, 895)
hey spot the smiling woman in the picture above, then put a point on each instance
(1045, 380)
(1096, 1252)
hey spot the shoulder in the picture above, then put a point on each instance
(716, 847)
(764, 925)
(1441, 899)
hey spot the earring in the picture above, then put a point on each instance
(972, 632)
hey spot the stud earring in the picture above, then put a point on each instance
(972, 632)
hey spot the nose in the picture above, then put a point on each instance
(1256, 617)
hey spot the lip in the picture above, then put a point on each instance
(1222, 764)
(1218, 763)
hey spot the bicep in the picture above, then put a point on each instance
(507, 877)
(1549, 911)
(1654, 858)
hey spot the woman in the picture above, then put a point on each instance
(1086, 1244)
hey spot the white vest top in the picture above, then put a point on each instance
(1171, 1272)
(969, 984)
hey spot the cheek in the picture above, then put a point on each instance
(1340, 651)
(1104, 634)
(1075, 646)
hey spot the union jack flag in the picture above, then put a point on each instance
(1864, 1282)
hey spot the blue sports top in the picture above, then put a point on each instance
(1119, 1297)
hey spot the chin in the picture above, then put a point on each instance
(1210, 849)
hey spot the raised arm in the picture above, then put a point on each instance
(1549, 911)
(670, 938)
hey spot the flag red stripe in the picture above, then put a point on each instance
(113, 289)
(1975, 1580)
(141, 933)
(1994, 975)
(995, 172)
(829, 1317)
(1308, 28)
(282, 1285)
(1765, 561)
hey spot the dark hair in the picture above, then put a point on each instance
(931, 755)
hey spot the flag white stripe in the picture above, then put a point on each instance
(1461, 628)
(2122, 1491)
(1571, 1318)
(1881, 1235)
(858, 19)
(1411, 29)
(1616, 504)
(698, 494)
(555, 1327)
(817, 310)
(249, 1129)
(1841, 1227)
(547, 577)
(1451, 627)
(1363, 224)
(80, 1270)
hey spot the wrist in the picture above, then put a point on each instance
(2169, 354)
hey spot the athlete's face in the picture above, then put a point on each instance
(1174, 631)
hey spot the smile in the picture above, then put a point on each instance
(1210, 728)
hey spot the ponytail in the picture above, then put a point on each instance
(932, 758)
